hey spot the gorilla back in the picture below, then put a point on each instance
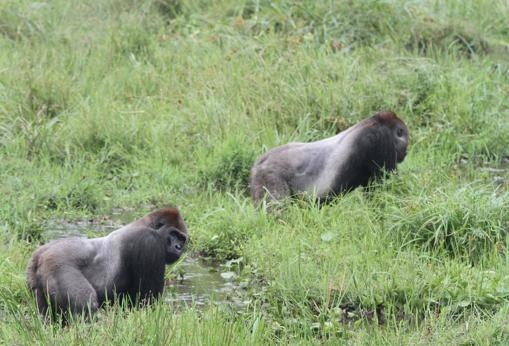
(77, 275)
(333, 165)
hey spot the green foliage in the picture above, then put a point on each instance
(224, 231)
(468, 222)
(228, 168)
(137, 104)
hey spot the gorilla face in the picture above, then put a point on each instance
(175, 243)
(400, 134)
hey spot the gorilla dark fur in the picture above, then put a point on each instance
(330, 166)
(77, 275)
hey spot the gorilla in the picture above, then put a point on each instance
(333, 165)
(77, 275)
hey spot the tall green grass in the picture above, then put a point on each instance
(140, 104)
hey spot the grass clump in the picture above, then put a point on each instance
(468, 222)
(228, 168)
(129, 105)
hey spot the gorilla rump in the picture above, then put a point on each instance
(332, 165)
(77, 275)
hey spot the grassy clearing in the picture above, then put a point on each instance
(125, 103)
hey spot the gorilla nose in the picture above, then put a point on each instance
(178, 247)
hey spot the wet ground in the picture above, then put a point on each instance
(199, 282)
(205, 282)
(497, 172)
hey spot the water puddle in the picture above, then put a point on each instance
(202, 282)
(498, 172)
(199, 282)
(499, 175)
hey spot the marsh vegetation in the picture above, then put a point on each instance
(113, 106)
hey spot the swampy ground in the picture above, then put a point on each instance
(109, 106)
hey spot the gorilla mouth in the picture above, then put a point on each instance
(401, 156)
(172, 258)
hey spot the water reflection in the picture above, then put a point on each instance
(203, 282)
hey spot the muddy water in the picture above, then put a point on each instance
(204, 282)
(199, 282)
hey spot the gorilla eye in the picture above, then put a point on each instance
(399, 133)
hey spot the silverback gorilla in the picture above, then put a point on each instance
(332, 165)
(77, 275)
